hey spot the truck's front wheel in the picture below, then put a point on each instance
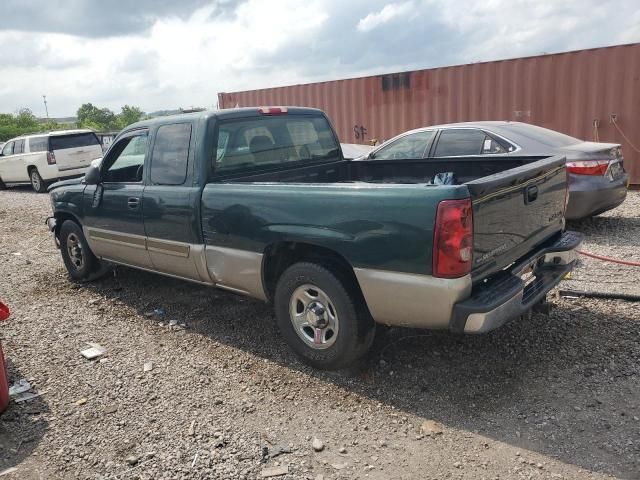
(80, 261)
(322, 317)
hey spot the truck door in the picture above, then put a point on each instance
(171, 204)
(113, 220)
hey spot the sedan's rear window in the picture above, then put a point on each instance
(264, 142)
(76, 140)
(543, 135)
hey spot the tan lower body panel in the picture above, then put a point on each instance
(237, 270)
(411, 300)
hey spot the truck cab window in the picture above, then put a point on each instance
(170, 154)
(409, 147)
(460, 142)
(127, 157)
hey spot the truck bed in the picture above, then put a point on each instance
(387, 171)
(517, 205)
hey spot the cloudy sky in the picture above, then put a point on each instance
(165, 54)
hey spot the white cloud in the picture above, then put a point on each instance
(388, 12)
(185, 60)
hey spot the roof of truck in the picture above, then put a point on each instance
(224, 113)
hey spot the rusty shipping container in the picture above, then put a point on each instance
(572, 92)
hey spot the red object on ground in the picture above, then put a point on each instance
(608, 259)
(4, 380)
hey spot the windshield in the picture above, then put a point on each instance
(542, 135)
(263, 142)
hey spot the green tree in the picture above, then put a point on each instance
(102, 119)
(129, 115)
(24, 121)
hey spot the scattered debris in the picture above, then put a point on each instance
(276, 452)
(21, 386)
(94, 351)
(195, 458)
(111, 409)
(340, 466)
(274, 471)
(429, 427)
(192, 429)
(342, 450)
(23, 397)
(147, 367)
(80, 402)
(159, 312)
(132, 459)
(317, 445)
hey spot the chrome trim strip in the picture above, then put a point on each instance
(168, 247)
(411, 300)
(109, 236)
(237, 270)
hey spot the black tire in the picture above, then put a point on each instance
(81, 264)
(2, 185)
(37, 183)
(355, 327)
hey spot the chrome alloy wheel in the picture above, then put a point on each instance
(314, 317)
(35, 179)
(74, 248)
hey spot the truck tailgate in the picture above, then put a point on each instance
(514, 211)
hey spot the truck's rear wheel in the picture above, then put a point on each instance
(37, 183)
(322, 316)
(80, 261)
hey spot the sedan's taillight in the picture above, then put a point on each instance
(453, 239)
(588, 167)
(51, 158)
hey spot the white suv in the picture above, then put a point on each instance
(47, 157)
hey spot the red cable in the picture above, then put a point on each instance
(607, 259)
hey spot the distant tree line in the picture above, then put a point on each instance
(88, 116)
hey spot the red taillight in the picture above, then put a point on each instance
(453, 239)
(273, 110)
(51, 158)
(588, 167)
(4, 311)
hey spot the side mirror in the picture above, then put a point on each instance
(92, 177)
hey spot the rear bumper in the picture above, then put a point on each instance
(506, 296)
(590, 195)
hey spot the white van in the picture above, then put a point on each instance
(47, 157)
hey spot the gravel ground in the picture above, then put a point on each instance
(552, 397)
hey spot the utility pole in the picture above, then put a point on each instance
(44, 98)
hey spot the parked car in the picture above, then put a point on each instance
(261, 202)
(597, 179)
(4, 378)
(354, 150)
(44, 158)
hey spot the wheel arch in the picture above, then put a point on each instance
(61, 216)
(279, 256)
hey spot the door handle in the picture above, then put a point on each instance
(133, 202)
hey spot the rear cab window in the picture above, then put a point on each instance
(170, 154)
(272, 142)
(73, 140)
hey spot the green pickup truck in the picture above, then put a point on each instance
(261, 202)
